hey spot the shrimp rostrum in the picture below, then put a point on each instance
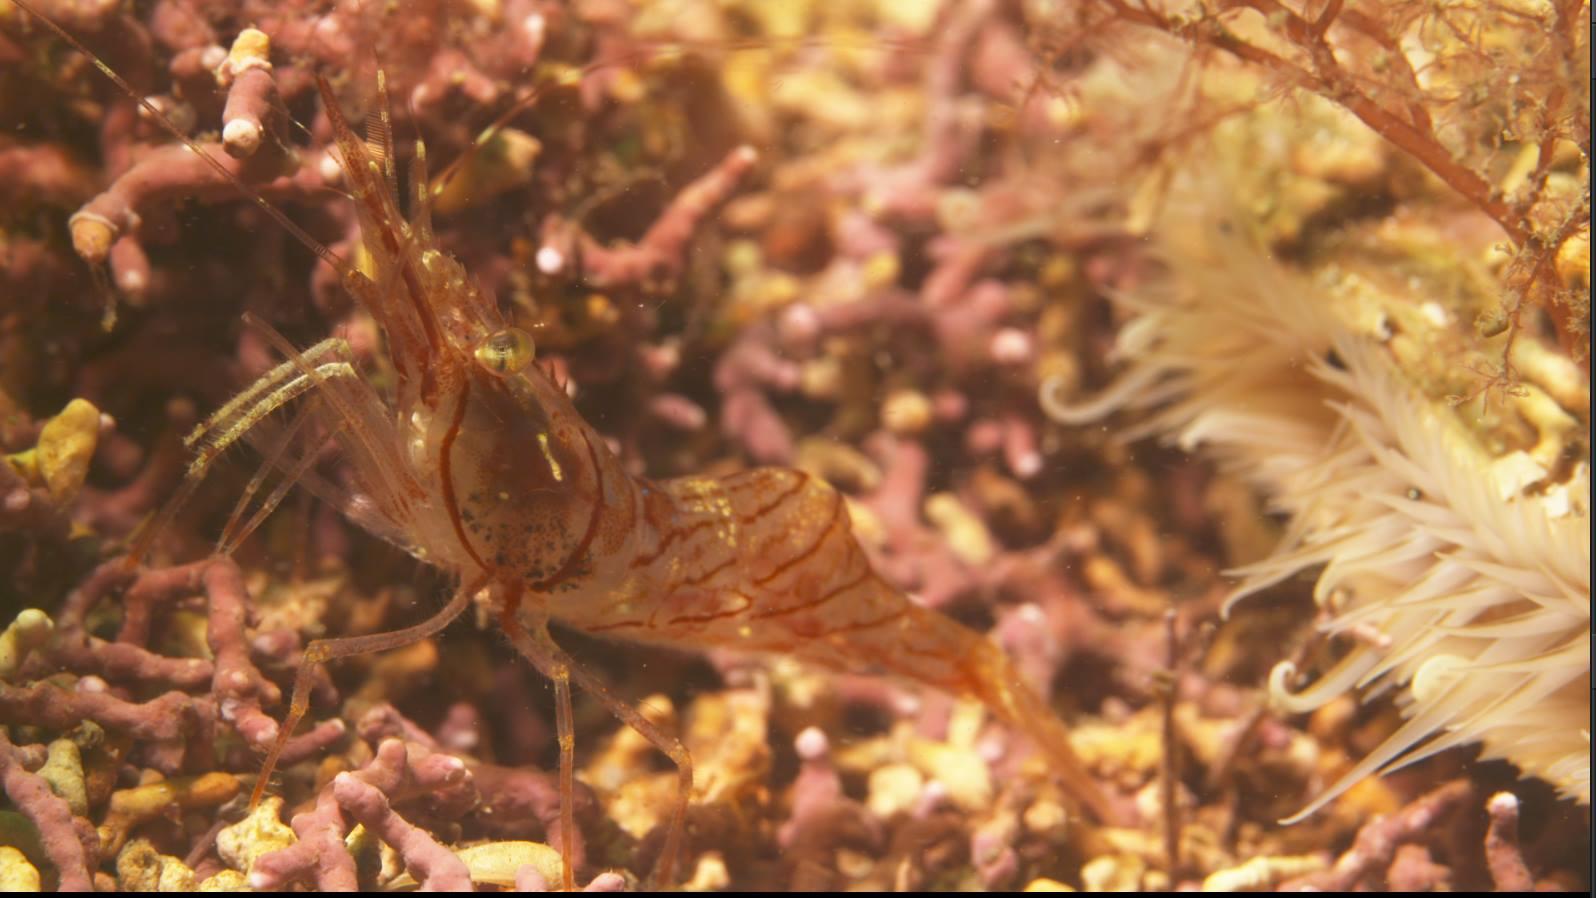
(476, 461)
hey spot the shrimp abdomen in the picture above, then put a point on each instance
(766, 561)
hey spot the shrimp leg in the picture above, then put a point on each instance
(223, 417)
(232, 536)
(539, 647)
(322, 650)
(560, 673)
(234, 424)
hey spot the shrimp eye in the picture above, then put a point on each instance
(506, 352)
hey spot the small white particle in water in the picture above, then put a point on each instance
(812, 744)
(1011, 346)
(329, 169)
(550, 260)
(132, 281)
(1028, 465)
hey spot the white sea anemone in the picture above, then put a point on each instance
(1478, 593)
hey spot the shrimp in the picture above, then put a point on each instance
(487, 468)
(476, 461)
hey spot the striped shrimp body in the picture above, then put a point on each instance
(501, 481)
(475, 461)
(531, 503)
(766, 561)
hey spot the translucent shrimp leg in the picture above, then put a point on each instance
(232, 536)
(226, 428)
(224, 417)
(322, 650)
(539, 647)
(366, 420)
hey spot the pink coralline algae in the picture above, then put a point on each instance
(62, 842)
